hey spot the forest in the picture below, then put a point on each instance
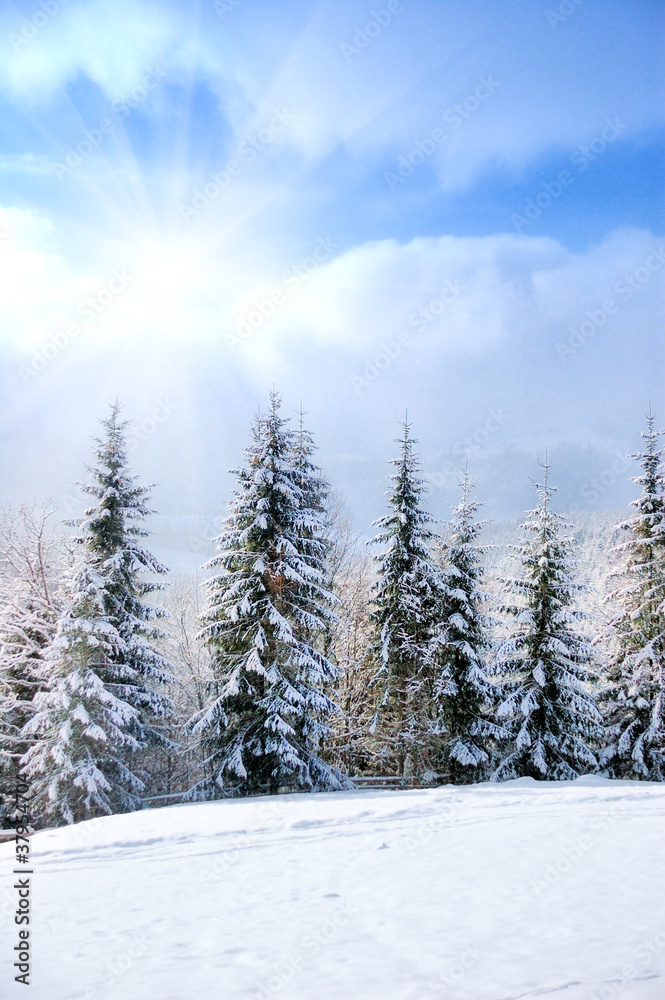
(301, 658)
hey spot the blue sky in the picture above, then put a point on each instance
(448, 207)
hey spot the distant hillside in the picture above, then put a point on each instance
(184, 542)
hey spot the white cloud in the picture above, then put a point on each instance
(40, 288)
(447, 296)
(493, 347)
(453, 295)
(112, 43)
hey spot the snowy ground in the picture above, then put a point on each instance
(490, 892)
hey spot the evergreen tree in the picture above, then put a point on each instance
(28, 613)
(112, 591)
(407, 599)
(315, 491)
(315, 526)
(636, 690)
(27, 625)
(266, 721)
(464, 691)
(549, 710)
(76, 766)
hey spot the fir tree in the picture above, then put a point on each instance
(636, 690)
(266, 721)
(407, 598)
(315, 491)
(129, 667)
(464, 691)
(76, 766)
(27, 626)
(110, 535)
(549, 710)
(315, 525)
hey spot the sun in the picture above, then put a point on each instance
(168, 269)
(166, 275)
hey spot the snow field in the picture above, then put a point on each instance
(486, 892)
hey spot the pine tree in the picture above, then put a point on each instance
(83, 728)
(549, 710)
(636, 690)
(111, 589)
(464, 690)
(407, 597)
(266, 721)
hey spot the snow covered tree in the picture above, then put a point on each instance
(315, 490)
(29, 560)
(265, 723)
(83, 728)
(636, 690)
(548, 707)
(315, 504)
(112, 589)
(407, 596)
(464, 691)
